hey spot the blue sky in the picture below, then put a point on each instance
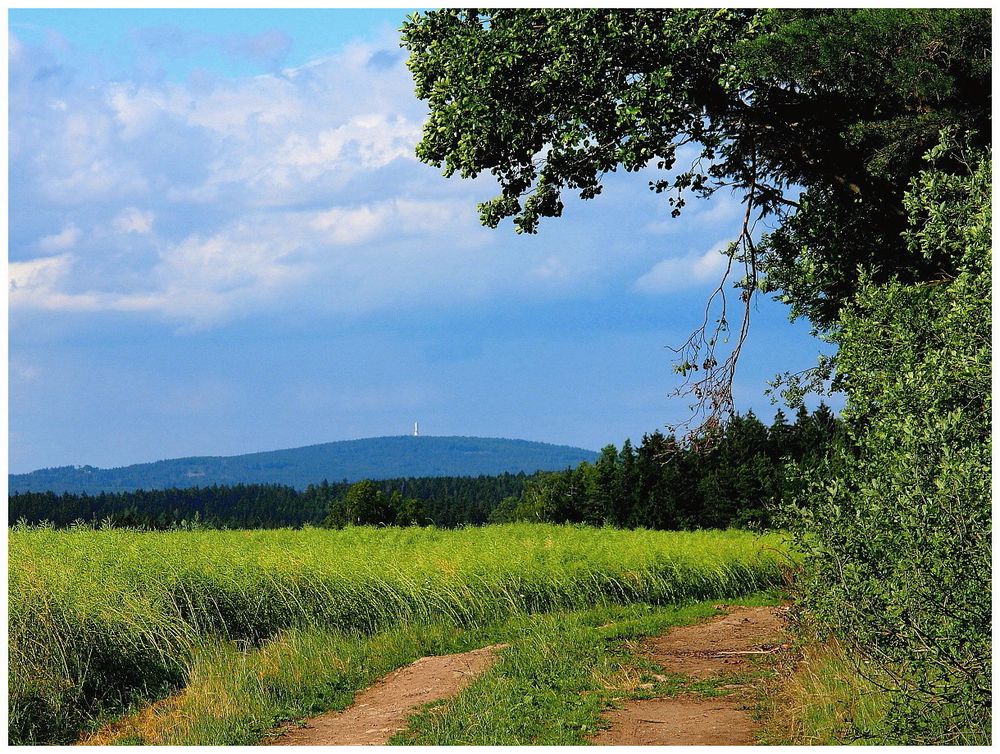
(220, 242)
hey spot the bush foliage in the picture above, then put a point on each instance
(898, 525)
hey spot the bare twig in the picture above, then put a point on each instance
(707, 378)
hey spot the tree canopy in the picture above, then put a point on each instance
(840, 103)
(818, 119)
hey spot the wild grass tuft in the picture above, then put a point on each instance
(826, 700)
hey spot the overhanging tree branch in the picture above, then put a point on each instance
(707, 378)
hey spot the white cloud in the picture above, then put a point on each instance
(376, 138)
(37, 273)
(100, 178)
(135, 111)
(214, 198)
(690, 271)
(237, 258)
(65, 239)
(133, 220)
(424, 216)
(230, 111)
(718, 211)
(396, 217)
(348, 259)
(341, 225)
(38, 284)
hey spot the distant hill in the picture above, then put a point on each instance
(370, 458)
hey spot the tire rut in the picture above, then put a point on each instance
(718, 648)
(381, 710)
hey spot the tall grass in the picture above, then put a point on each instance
(556, 674)
(102, 619)
(829, 701)
(235, 697)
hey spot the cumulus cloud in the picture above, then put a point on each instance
(374, 140)
(349, 225)
(65, 239)
(225, 169)
(213, 197)
(133, 220)
(689, 271)
(37, 273)
(38, 284)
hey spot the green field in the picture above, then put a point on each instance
(103, 620)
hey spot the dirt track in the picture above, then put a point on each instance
(380, 711)
(719, 647)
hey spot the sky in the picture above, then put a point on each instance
(220, 242)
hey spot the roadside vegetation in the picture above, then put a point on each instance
(101, 620)
(824, 699)
(897, 524)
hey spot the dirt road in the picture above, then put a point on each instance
(717, 649)
(721, 647)
(381, 710)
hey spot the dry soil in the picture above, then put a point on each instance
(720, 647)
(381, 710)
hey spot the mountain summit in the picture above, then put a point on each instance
(369, 458)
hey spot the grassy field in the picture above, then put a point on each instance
(103, 620)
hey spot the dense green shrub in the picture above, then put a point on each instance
(898, 526)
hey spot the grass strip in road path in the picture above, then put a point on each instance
(561, 670)
(725, 653)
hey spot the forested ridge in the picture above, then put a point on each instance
(658, 484)
(367, 458)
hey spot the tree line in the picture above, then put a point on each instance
(444, 501)
(734, 479)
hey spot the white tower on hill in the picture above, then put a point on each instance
(416, 430)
